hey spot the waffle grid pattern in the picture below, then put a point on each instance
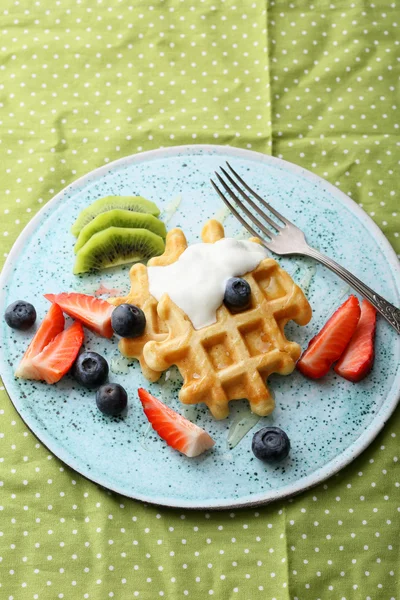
(232, 358)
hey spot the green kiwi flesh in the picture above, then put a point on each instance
(120, 218)
(132, 203)
(117, 246)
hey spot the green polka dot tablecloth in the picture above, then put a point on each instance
(83, 82)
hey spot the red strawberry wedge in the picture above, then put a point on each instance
(177, 431)
(357, 360)
(51, 326)
(330, 343)
(58, 356)
(93, 312)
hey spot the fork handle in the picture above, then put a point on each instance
(387, 310)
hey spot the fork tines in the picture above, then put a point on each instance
(238, 202)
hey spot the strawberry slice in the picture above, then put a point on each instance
(177, 431)
(93, 312)
(329, 344)
(58, 356)
(51, 326)
(357, 360)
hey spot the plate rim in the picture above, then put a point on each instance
(303, 484)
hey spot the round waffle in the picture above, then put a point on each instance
(232, 358)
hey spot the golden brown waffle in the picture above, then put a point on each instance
(139, 295)
(233, 358)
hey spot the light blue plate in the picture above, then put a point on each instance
(329, 421)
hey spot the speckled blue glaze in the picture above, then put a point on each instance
(329, 421)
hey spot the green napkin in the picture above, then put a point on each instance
(83, 83)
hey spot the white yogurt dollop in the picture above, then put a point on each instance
(196, 281)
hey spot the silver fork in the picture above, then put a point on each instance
(289, 239)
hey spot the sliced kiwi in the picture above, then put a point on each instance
(117, 246)
(132, 203)
(120, 218)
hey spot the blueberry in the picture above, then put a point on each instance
(270, 444)
(111, 399)
(91, 369)
(237, 294)
(128, 320)
(20, 315)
